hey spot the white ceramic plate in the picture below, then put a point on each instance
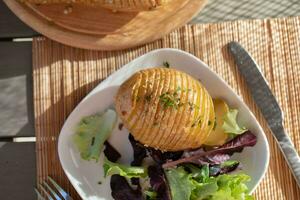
(85, 175)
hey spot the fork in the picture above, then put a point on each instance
(55, 196)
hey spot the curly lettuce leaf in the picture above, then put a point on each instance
(204, 190)
(232, 187)
(91, 133)
(195, 184)
(200, 174)
(230, 124)
(180, 183)
(111, 168)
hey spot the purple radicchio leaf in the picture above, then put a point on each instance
(121, 190)
(161, 157)
(111, 153)
(139, 151)
(235, 145)
(208, 159)
(159, 183)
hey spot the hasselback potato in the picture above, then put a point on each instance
(165, 109)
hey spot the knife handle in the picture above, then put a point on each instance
(289, 152)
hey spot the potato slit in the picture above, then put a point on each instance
(174, 131)
(147, 99)
(137, 127)
(134, 119)
(149, 127)
(160, 139)
(161, 111)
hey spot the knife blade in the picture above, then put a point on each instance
(267, 104)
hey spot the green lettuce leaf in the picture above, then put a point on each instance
(195, 184)
(180, 183)
(150, 194)
(92, 132)
(232, 187)
(127, 171)
(204, 190)
(230, 124)
(200, 174)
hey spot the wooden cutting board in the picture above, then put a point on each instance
(98, 28)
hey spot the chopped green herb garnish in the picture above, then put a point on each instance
(99, 182)
(155, 123)
(215, 124)
(148, 97)
(170, 100)
(197, 121)
(209, 122)
(176, 91)
(138, 98)
(191, 105)
(166, 64)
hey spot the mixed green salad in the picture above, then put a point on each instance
(199, 174)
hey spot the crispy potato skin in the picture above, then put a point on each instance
(165, 109)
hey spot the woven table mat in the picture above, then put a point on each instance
(63, 75)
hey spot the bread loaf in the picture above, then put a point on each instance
(116, 5)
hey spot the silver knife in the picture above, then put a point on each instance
(267, 103)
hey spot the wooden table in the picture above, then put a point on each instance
(17, 147)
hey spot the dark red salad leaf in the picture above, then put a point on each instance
(121, 190)
(209, 159)
(158, 182)
(162, 157)
(235, 145)
(111, 153)
(156, 155)
(139, 151)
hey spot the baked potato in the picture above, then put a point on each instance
(165, 109)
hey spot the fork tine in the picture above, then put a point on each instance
(52, 191)
(39, 194)
(63, 193)
(45, 191)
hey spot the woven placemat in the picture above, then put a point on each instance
(64, 75)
